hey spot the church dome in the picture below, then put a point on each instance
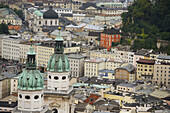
(31, 78)
(50, 14)
(58, 61)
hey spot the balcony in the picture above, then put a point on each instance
(64, 92)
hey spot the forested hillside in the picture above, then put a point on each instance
(148, 21)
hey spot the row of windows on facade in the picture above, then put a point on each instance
(91, 69)
(75, 69)
(113, 65)
(161, 82)
(122, 88)
(91, 64)
(9, 45)
(145, 66)
(28, 97)
(110, 35)
(162, 67)
(121, 76)
(51, 22)
(74, 61)
(163, 76)
(144, 69)
(90, 73)
(162, 79)
(12, 42)
(11, 53)
(162, 71)
(10, 57)
(57, 78)
(145, 73)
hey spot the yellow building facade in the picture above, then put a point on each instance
(96, 54)
(112, 64)
(92, 67)
(145, 69)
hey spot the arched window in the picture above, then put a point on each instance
(20, 96)
(49, 77)
(27, 97)
(56, 78)
(36, 97)
(64, 77)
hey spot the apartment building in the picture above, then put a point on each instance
(124, 72)
(112, 64)
(141, 54)
(145, 69)
(125, 56)
(100, 54)
(1, 37)
(108, 36)
(14, 84)
(162, 73)
(76, 65)
(5, 84)
(11, 48)
(43, 55)
(129, 87)
(92, 66)
(8, 16)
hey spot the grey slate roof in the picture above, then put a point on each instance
(66, 22)
(9, 75)
(6, 75)
(76, 56)
(165, 57)
(129, 68)
(127, 85)
(88, 4)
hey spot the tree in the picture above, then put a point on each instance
(3, 29)
(152, 16)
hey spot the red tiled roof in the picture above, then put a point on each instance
(112, 60)
(14, 27)
(92, 98)
(146, 61)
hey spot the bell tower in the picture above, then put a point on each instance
(58, 67)
(30, 86)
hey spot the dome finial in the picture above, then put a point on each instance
(31, 40)
(59, 28)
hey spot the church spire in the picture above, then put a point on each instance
(31, 63)
(59, 49)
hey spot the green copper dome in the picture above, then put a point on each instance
(31, 78)
(58, 62)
